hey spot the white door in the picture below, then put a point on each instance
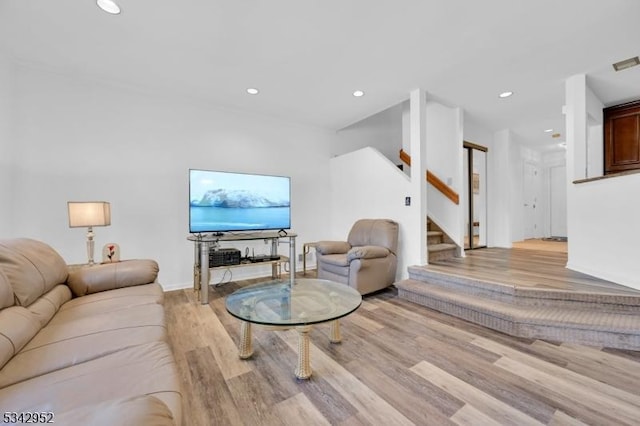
(558, 200)
(530, 198)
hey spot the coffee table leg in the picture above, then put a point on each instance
(246, 348)
(334, 336)
(303, 370)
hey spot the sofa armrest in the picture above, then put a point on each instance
(367, 252)
(332, 247)
(110, 276)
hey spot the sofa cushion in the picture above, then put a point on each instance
(47, 305)
(339, 260)
(136, 411)
(111, 276)
(111, 301)
(17, 327)
(367, 252)
(7, 297)
(31, 267)
(147, 369)
(80, 339)
(375, 232)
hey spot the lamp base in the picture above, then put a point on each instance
(90, 246)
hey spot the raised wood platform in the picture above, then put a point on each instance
(528, 293)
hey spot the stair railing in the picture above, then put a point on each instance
(436, 182)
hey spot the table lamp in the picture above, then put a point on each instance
(89, 214)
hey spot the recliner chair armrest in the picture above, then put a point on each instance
(110, 276)
(332, 247)
(367, 252)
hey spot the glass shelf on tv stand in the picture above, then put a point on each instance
(203, 243)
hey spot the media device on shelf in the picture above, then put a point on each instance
(226, 201)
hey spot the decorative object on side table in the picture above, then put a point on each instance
(110, 253)
(89, 214)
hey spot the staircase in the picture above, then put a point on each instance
(439, 245)
(599, 318)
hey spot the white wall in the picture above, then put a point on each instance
(499, 191)
(365, 184)
(604, 231)
(382, 131)
(444, 159)
(81, 140)
(552, 160)
(595, 128)
(6, 150)
(601, 215)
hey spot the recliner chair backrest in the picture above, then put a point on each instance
(374, 232)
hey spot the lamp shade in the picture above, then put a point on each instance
(89, 213)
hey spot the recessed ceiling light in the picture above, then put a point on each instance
(548, 131)
(252, 91)
(358, 93)
(563, 145)
(505, 94)
(108, 6)
(627, 63)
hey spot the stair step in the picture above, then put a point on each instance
(617, 327)
(524, 296)
(434, 248)
(434, 237)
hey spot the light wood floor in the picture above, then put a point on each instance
(398, 364)
(540, 244)
(526, 268)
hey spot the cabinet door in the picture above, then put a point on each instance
(622, 138)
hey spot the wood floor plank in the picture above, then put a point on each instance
(216, 405)
(298, 410)
(398, 393)
(254, 396)
(484, 376)
(561, 418)
(593, 363)
(225, 350)
(365, 323)
(470, 416)
(589, 396)
(490, 406)
(552, 370)
(373, 408)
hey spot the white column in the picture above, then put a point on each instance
(499, 197)
(418, 144)
(576, 127)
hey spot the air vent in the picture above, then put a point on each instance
(627, 63)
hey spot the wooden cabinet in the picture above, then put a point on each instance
(622, 137)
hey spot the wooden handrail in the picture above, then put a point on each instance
(445, 189)
(405, 158)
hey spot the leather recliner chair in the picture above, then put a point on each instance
(367, 261)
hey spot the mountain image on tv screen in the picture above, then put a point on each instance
(224, 201)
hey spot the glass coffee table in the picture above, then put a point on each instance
(281, 305)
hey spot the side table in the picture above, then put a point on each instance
(306, 247)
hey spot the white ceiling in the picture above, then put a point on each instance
(308, 56)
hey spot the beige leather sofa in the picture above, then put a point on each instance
(88, 345)
(367, 261)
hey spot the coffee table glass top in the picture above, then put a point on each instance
(308, 301)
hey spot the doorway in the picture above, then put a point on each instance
(558, 201)
(530, 195)
(475, 170)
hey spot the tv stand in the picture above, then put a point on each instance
(203, 242)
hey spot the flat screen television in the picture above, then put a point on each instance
(225, 201)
